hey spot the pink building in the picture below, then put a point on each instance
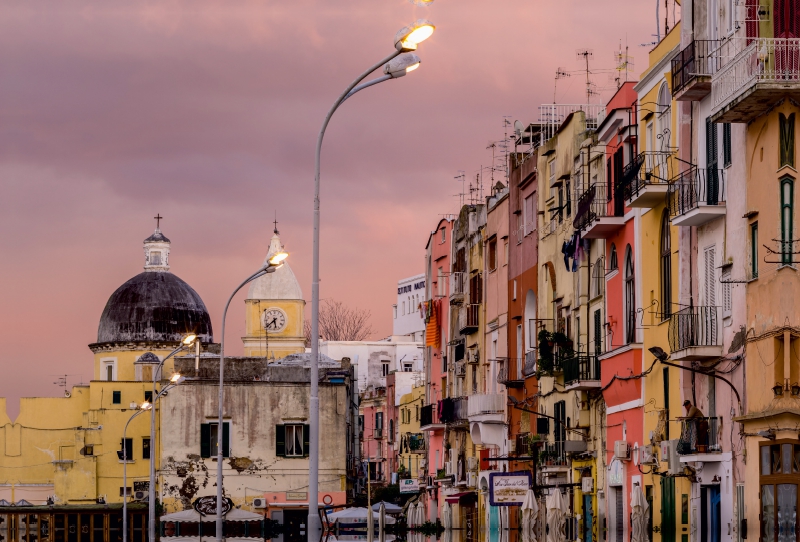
(374, 428)
(437, 281)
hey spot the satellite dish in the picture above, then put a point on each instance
(518, 127)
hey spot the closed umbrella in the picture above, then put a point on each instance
(382, 523)
(639, 509)
(447, 517)
(556, 516)
(530, 511)
(420, 513)
(370, 526)
(411, 515)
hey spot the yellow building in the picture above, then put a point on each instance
(412, 443)
(275, 312)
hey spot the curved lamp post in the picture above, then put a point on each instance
(186, 342)
(271, 266)
(144, 407)
(405, 41)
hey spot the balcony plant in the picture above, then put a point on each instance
(553, 349)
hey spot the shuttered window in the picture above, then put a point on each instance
(292, 440)
(786, 144)
(726, 145)
(666, 267)
(598, 333)
(727, 300)
(710, 286)
(209, 436)
(619, 523)
(787, 219)
(712, 163)
(630, 298)
(754, 250)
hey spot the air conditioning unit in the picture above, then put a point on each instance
(675, 465)
(646, 455)
(259, 503)
(472, 479)
(664, 444)
(472, 463)
(512, 446)
(139, 495)
(621, 450)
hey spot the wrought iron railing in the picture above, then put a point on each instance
(648, 168)
(694, 326)
(594, 204)
(698, 59)
(694, 188)
(377, 433)
(699, 435)
(458, 284)
(428, 415)
(581, 368)
(454, 410)
(762, 60)
(553, 454)
(468, 318)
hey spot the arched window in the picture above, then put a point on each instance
(598, 279)
(664, 116)
(787, 219)
(666, 267)
(630, 298)
(613, 265)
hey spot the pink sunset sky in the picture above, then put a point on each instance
(207, 112)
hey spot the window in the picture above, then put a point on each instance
(408, 367)
(291, 440)
(442, 237)
(384, 368)
(754, 250)
(630, 298)
(598, 333)
(786, 139)
(148, 396)
(666, 267)
(569, 199)
(404, 308)
(780, 476)
(551, 167)
(613, 265)
(528, 214)
(395, 311)
(493, 254)
(664, 115)
(155, 258)
(598, 279)
(209, 438)
(416, 414)
(710, 254)
(125, 449)
(727, 300)
(116, 397)
(379, 420)
(727, 159)
(109, 372)
(514, 292)
(787, 219)
(560, 208)
(740, 511)
(145, 448)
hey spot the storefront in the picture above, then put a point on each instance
(92, 523)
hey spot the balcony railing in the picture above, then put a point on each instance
(762, 60)
(454, 411)
(553, 454)
(694, 327)
(510, 374)
(468, 318)
(699, 436)
(416, 442)
(552, 116)
(458, 285)
(523, 445)
(428, 416)
(698, 59)
(377, 433)
(648, 168)
(695, 188)
(486, 403)
(595, 204)
(581, 368)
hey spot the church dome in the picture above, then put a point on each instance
(282, 284)
(154, 307)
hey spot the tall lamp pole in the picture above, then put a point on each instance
(144, 407)
(187, 341)
(406, 40)
(272, 265)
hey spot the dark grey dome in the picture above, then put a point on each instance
(154, 307)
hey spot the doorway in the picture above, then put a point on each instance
(294, 525)
(588, 518)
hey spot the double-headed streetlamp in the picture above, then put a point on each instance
(186, 342)
(275, 261)
(405, 41)
(144, 407)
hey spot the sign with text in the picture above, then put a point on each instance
(207, 506)
(409, 486)
(508, 488)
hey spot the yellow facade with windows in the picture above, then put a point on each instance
(411, 441)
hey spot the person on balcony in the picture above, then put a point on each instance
(700, 424)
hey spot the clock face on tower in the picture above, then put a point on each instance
(273, 320)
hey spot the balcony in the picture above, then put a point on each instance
(697, 196)
(553, 456)
(509, 374)
(429, 418)
(645, 180)
(764, 71)
(487, 407)
(468, 321)
(377, 433)
(597, 216)
(700, 438)
(416, 443)
(458, 287)
(454, 411)
(530, 363)
(693, 68)
(582, 373)
(523, 445)
(695, 334)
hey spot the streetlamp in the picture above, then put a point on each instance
(187, 341)
(405, 41)
(144, 407)
(271, 266)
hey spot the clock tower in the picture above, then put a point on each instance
(274, 312)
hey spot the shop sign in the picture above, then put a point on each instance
(409, 486)
(508, 488)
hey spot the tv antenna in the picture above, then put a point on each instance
(561, 73)
(623, 62)
(586, 54)
(462, 176)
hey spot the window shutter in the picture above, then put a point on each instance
(205, 440)
(226, 440)
(280, 440)
(711, 145)
(711, 297)
(751, 26)
(306, 439)
(542, 426)
(726, 144)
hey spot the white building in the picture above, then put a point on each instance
(374, 360)
(407, 312)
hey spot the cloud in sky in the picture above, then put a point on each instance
(207, 112)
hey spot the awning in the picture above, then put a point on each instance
(457, 497)
(193, 516)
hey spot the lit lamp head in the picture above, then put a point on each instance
(177, 378)
(189, 339)
(412, 35)
(146, 406)
(277, 259)
(403, 64)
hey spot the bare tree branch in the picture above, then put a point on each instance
(338, 322)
